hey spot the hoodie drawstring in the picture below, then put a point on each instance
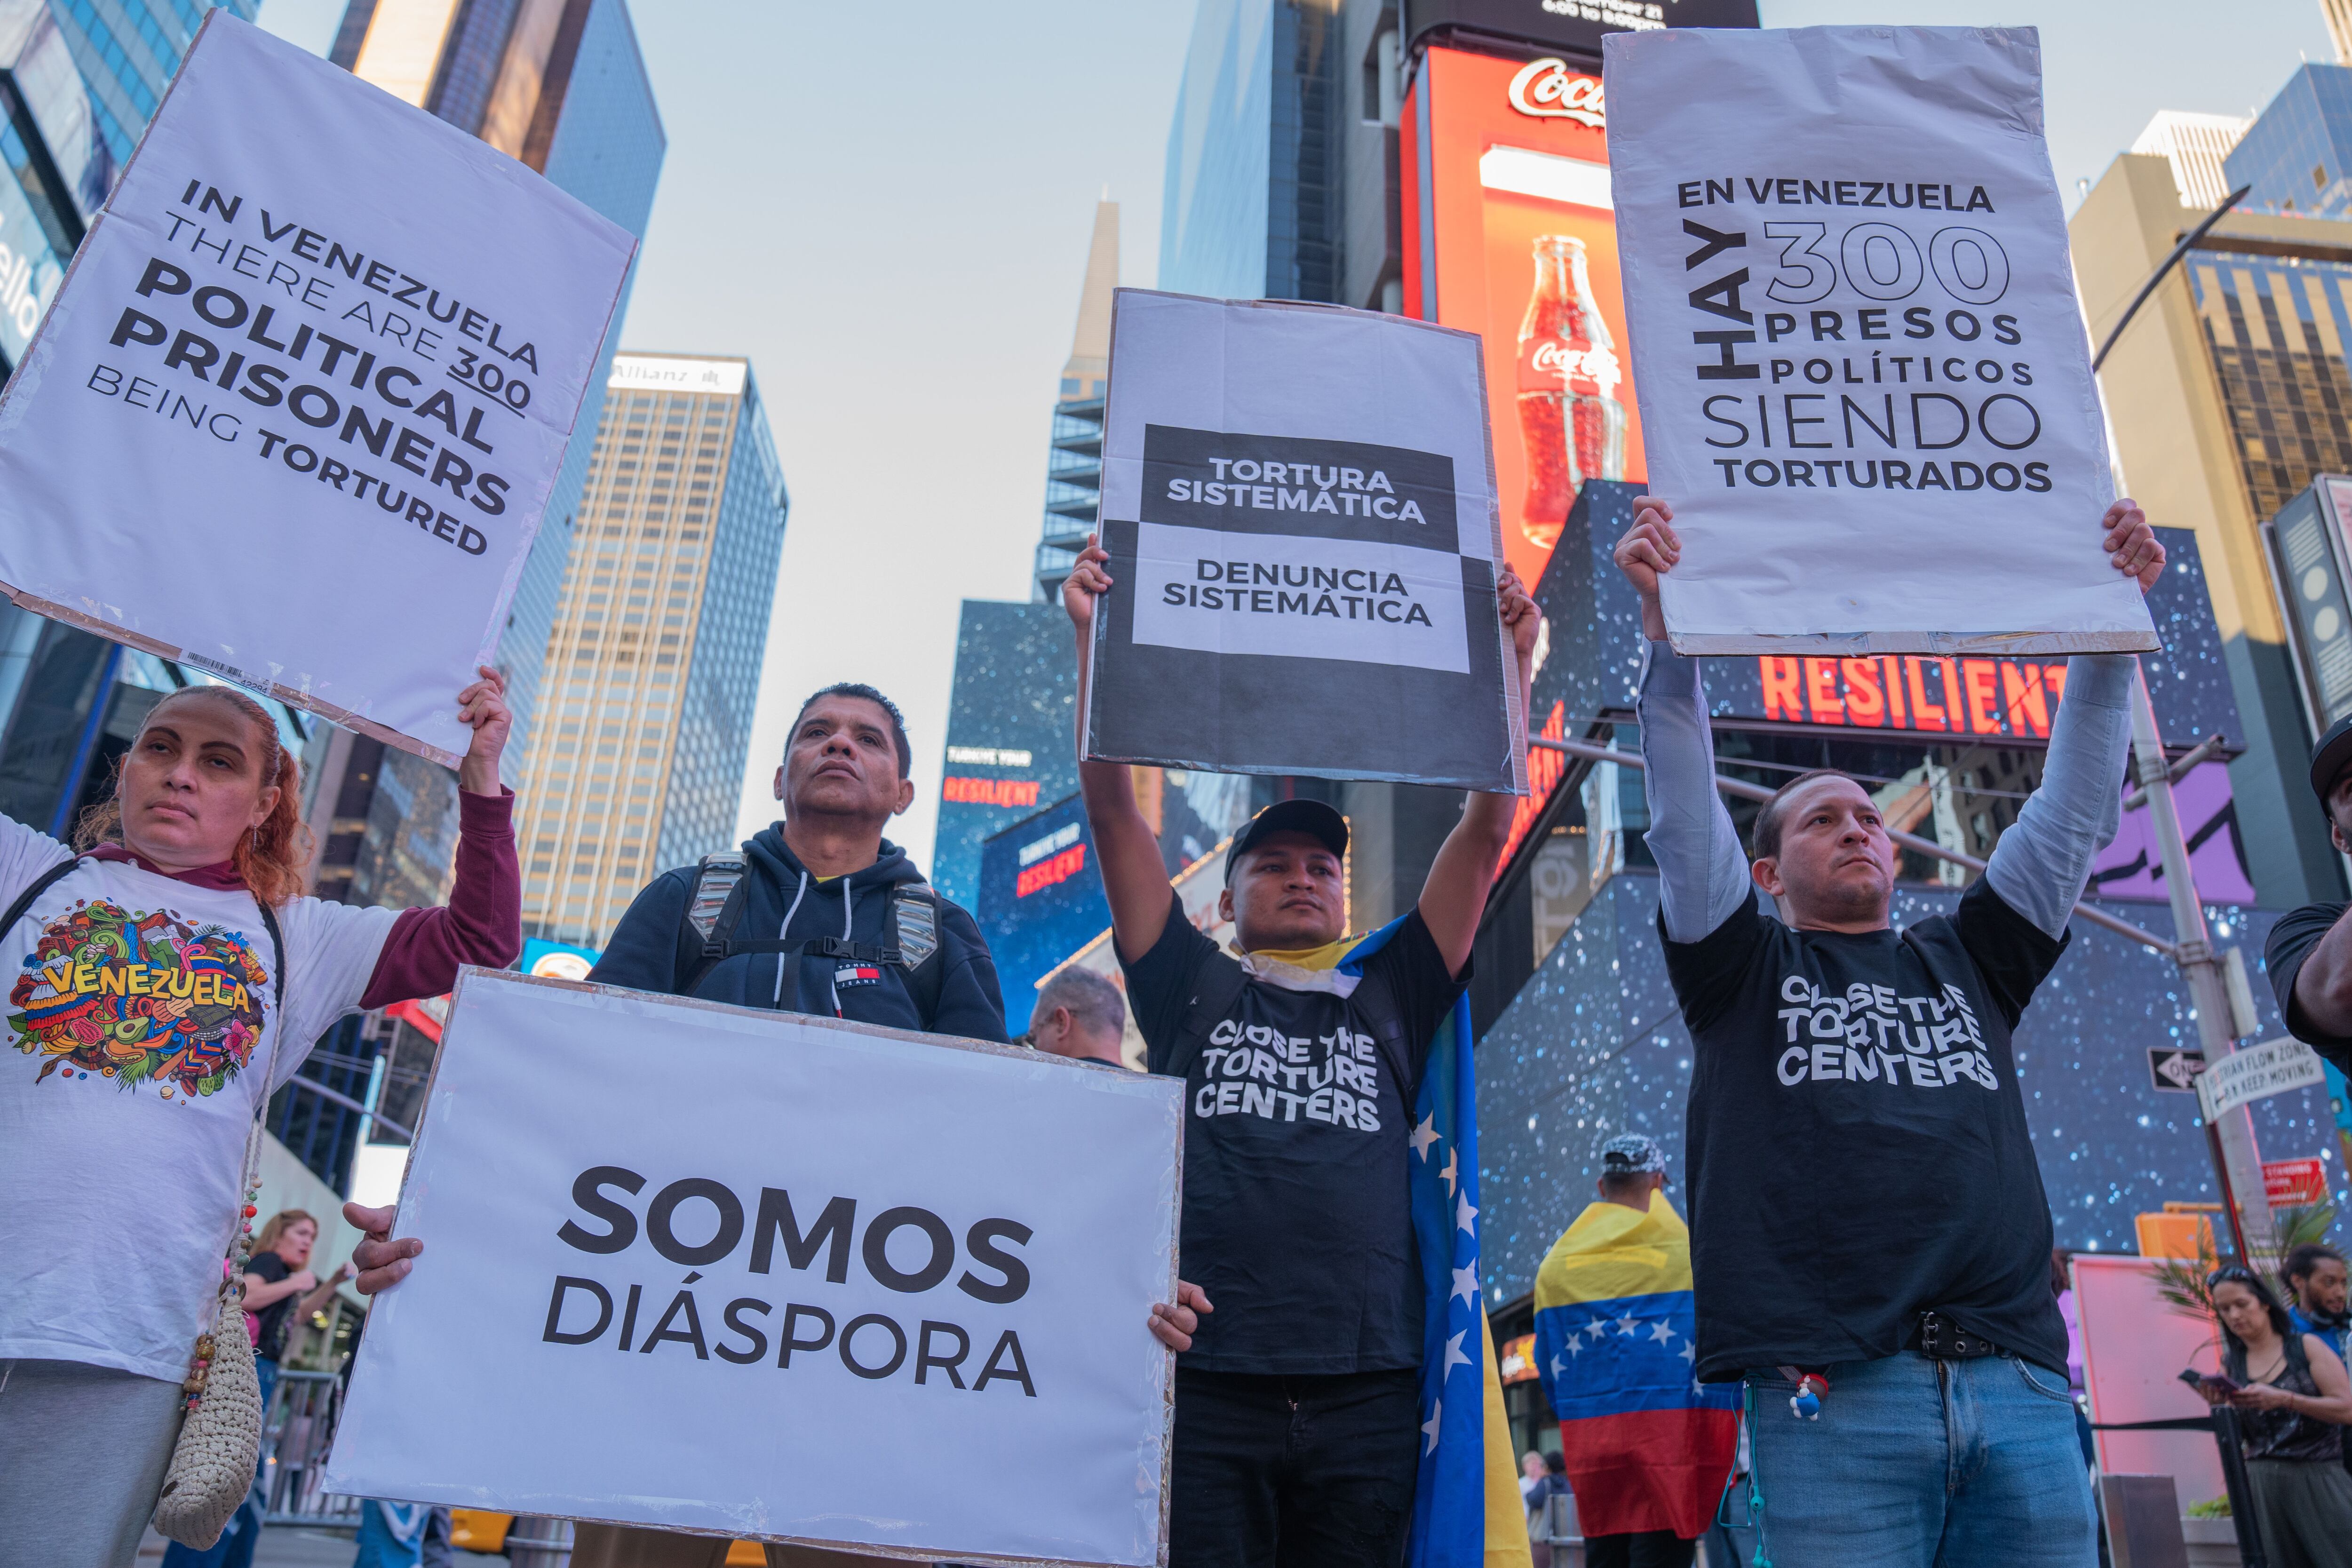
(783, 933)
(848, 904)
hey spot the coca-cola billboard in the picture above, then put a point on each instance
(1509, 234)
(1566, 23)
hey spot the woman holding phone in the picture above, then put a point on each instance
(2293, 1399)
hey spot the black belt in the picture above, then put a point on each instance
(1938, 1338)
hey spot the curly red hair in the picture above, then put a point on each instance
(275, 857)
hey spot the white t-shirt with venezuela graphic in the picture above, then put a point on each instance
(141, 1027)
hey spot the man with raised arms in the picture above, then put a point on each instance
(1298, 1419)
(1870, 1240)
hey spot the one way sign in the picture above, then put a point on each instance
(2171, 1067)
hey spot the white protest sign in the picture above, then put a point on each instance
(1865, 386)
(297, 408)
(1298, 502)
(2255, 1073)
(714, 1269)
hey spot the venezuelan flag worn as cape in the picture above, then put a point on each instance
(1466, 1512)
(1648, 1446)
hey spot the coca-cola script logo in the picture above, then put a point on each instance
(1596, 366)
(1546, 90)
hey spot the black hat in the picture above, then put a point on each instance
(1309, 816)
(2330, 757)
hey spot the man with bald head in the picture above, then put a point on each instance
(1870, 1239)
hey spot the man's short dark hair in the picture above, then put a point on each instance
(2301, 1261)
(1765, 834)
(1095, 1003)
(865, 693)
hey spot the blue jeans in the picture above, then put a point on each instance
(1921, 1464)
(235, 1548)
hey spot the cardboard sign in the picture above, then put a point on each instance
(300, 403)
(1298, 502)
(707, 1268)
(1864, 381)
(2288, 1183)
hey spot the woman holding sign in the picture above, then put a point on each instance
(163, 980)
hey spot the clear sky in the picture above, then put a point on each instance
(887, 209)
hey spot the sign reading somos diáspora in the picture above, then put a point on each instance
(707, 1268)
(1298, 502)
(1865, 386)
(321, 350)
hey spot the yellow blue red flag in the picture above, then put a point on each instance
(1648, 1447)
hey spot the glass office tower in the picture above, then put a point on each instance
(653, 660)
(2297, 154)
(1251, 206)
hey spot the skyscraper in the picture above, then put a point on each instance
(2196, 146)
(654, 659)
(2297, 154)
(1251, 205)
(558, 85)
(1074, 466)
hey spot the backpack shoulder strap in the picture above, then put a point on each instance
(34, 890)
(1215, 988)
(721, 885)
(911, 929)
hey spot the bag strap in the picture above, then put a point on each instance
(1377, 1001)
(912, 927)
(722, 886)
(34, 890)
(1216, 987)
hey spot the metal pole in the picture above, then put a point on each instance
(374, 1097)
(2186, 242)
(2237, 1161)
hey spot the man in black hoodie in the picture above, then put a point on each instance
(819, 914)
(824, 915)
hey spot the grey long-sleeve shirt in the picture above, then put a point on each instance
(2038, 868)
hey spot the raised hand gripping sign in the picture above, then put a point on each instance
(1865, 386)
(320, 349)
(712, 1269)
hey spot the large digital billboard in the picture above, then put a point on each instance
(1509, 233)
(1568, 24)
(1041, 901)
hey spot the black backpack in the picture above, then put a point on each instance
(910, 933)
(1219, 985)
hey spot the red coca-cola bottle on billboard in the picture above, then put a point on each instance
(1571, 426)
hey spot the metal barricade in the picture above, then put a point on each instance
(1557, 1530)
(539, 1543)
(295, 1436)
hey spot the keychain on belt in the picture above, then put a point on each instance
(1806, 1403)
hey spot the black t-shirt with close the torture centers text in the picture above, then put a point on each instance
(1296, 1222)
(1857, 1139)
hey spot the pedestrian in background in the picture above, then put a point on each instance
(125, 1115)
(1645, 1447)
(2292, 1401)
(2313, 1275)
(1081, 1016)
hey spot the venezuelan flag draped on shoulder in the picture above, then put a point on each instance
(1465, 1508)
(1648, 1446)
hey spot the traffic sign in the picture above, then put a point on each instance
(2294, 1182)
(2256, 1073)
(2172, 1068)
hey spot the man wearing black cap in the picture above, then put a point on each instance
(1297, 1407)
(2309, 954)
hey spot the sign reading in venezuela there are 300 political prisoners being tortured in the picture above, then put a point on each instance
(1866, 386)
(712, 1269)
(300, 403)
(1298, 502)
